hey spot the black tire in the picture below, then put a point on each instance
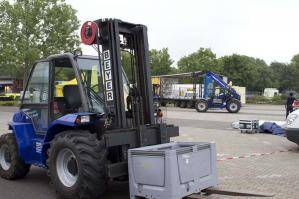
(89, 157)
(13, 166)
(157, 103)
(163, 103)
(201, 106)
(233, 106)
(190, 104)
(177, 104)
(183, 104)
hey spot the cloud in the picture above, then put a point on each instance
(265, 29)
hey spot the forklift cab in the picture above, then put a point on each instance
(60, 85)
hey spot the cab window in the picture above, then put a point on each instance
(65, 92)
(36, 96)
(38, 86)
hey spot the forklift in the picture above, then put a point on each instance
(79, 114)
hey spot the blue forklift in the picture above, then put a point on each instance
(214, 93)
(79, 115)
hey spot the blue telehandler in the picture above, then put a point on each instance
(79, 115)
(218, 94)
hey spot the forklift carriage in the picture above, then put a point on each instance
(79, 115)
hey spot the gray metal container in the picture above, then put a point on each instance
(173, 170)
(249, 126)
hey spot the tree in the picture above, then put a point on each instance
(160, 62)
(32, 29)
(202, 60)
(283, 76)
(246, 71)
(293, 73)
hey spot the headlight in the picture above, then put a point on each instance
(291, 119)
(83, 119)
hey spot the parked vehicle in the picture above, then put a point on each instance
(292, 128)
(213, 93)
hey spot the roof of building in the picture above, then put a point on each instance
(7, 77)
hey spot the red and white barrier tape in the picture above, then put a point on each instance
(253, 155)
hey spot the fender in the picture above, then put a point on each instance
(64, 123)
(233, 99)
(202, 99)
(33, 146)
(23, 129)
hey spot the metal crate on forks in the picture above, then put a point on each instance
(249, 126)
(172, 171)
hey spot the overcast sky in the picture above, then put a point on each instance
(267, 29)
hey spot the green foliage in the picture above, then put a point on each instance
(258, 99)
(9, 103)
(160, 62)
(202, 60)
(127, 64)
(278, 99)
(283, 76)
(246, 71)
(32, 29)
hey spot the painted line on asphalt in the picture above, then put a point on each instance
(253, 155)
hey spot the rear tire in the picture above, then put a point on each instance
(12, 166)
(157, 103)
(77, 165)
(233, 106)
(183, 104)
(163, 103)
(201, 106)
(189, 104)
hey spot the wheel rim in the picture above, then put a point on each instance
(5, 159)
(67, 167)
(201, 106)
(233, 107)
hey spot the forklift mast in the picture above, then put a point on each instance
(114, 36)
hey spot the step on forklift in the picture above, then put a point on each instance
(79, 114)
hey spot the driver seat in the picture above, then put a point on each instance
(72, 98)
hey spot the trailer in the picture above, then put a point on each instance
(213, 93)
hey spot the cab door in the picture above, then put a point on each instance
(35, 100)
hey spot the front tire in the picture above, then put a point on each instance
(12, 166)
(77, 165)
(201, 106)
(233, 106)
